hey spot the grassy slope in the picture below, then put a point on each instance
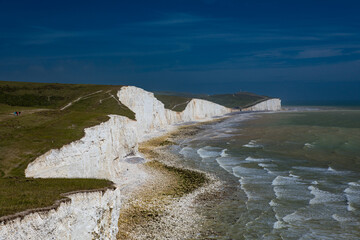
(42, 126)
(236, 100)
(172, 102)
(36, 131)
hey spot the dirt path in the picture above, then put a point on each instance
(78, 99)
(179, 105)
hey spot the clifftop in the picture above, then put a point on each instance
(67, 136)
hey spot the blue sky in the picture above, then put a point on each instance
(298, 50)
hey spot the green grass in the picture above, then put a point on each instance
(187, 180)
(172, 102)
(236, 100)
(22, 194)
(41, 127)
(48, 95)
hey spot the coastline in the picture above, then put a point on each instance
(167, 205)
(110, 150)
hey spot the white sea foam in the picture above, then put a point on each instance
(269, 168)
(252, 144)
(279, 224)
(355, 184)
(311, 169)
(309, 145)
(273, 204)
(240, 171)
(228, 163)
(281, 180)
(187, 152)
(286, 193)
(250, 159)
(349, 190)
(250, 195)
(294, 176)
(321, 196)
(267, 165)
(352, 194)
(254, 182)
(331, 169)
(223, 153)
(289, 188)
(350, 208)
(342, 219)
(294, 217)
(208, 152)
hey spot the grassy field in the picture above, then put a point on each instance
(172, 102)
(177, 101)
(236, 100)
(20, 194)
(53, 115)
(43, 126)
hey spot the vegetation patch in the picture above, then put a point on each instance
(174, 103)
(235, 100)
(150, 202)
(20, 194)
(187, 180)
(166, 143)
(43, 126)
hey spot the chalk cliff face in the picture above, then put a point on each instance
(273, 104)
(102, 153)
(97, 155)
(152, 116)
(89, 215)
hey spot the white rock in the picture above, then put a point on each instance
(152, 116)
(273, 104)
(96, 155)
(92, 215)
(101, 153)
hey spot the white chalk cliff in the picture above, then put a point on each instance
(273, 104)
(88, 215)
(152, 116)
(102, 153)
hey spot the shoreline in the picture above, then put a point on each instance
(167, 205)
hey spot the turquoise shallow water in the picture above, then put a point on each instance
(290, 175)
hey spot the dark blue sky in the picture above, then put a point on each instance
(293, 49)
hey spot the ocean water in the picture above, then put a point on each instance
(289, 175)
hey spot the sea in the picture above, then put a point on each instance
(293, 174)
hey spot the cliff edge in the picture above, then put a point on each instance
(103, 153)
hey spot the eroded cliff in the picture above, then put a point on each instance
(87, 215)
(273, 104)
(102, 153)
